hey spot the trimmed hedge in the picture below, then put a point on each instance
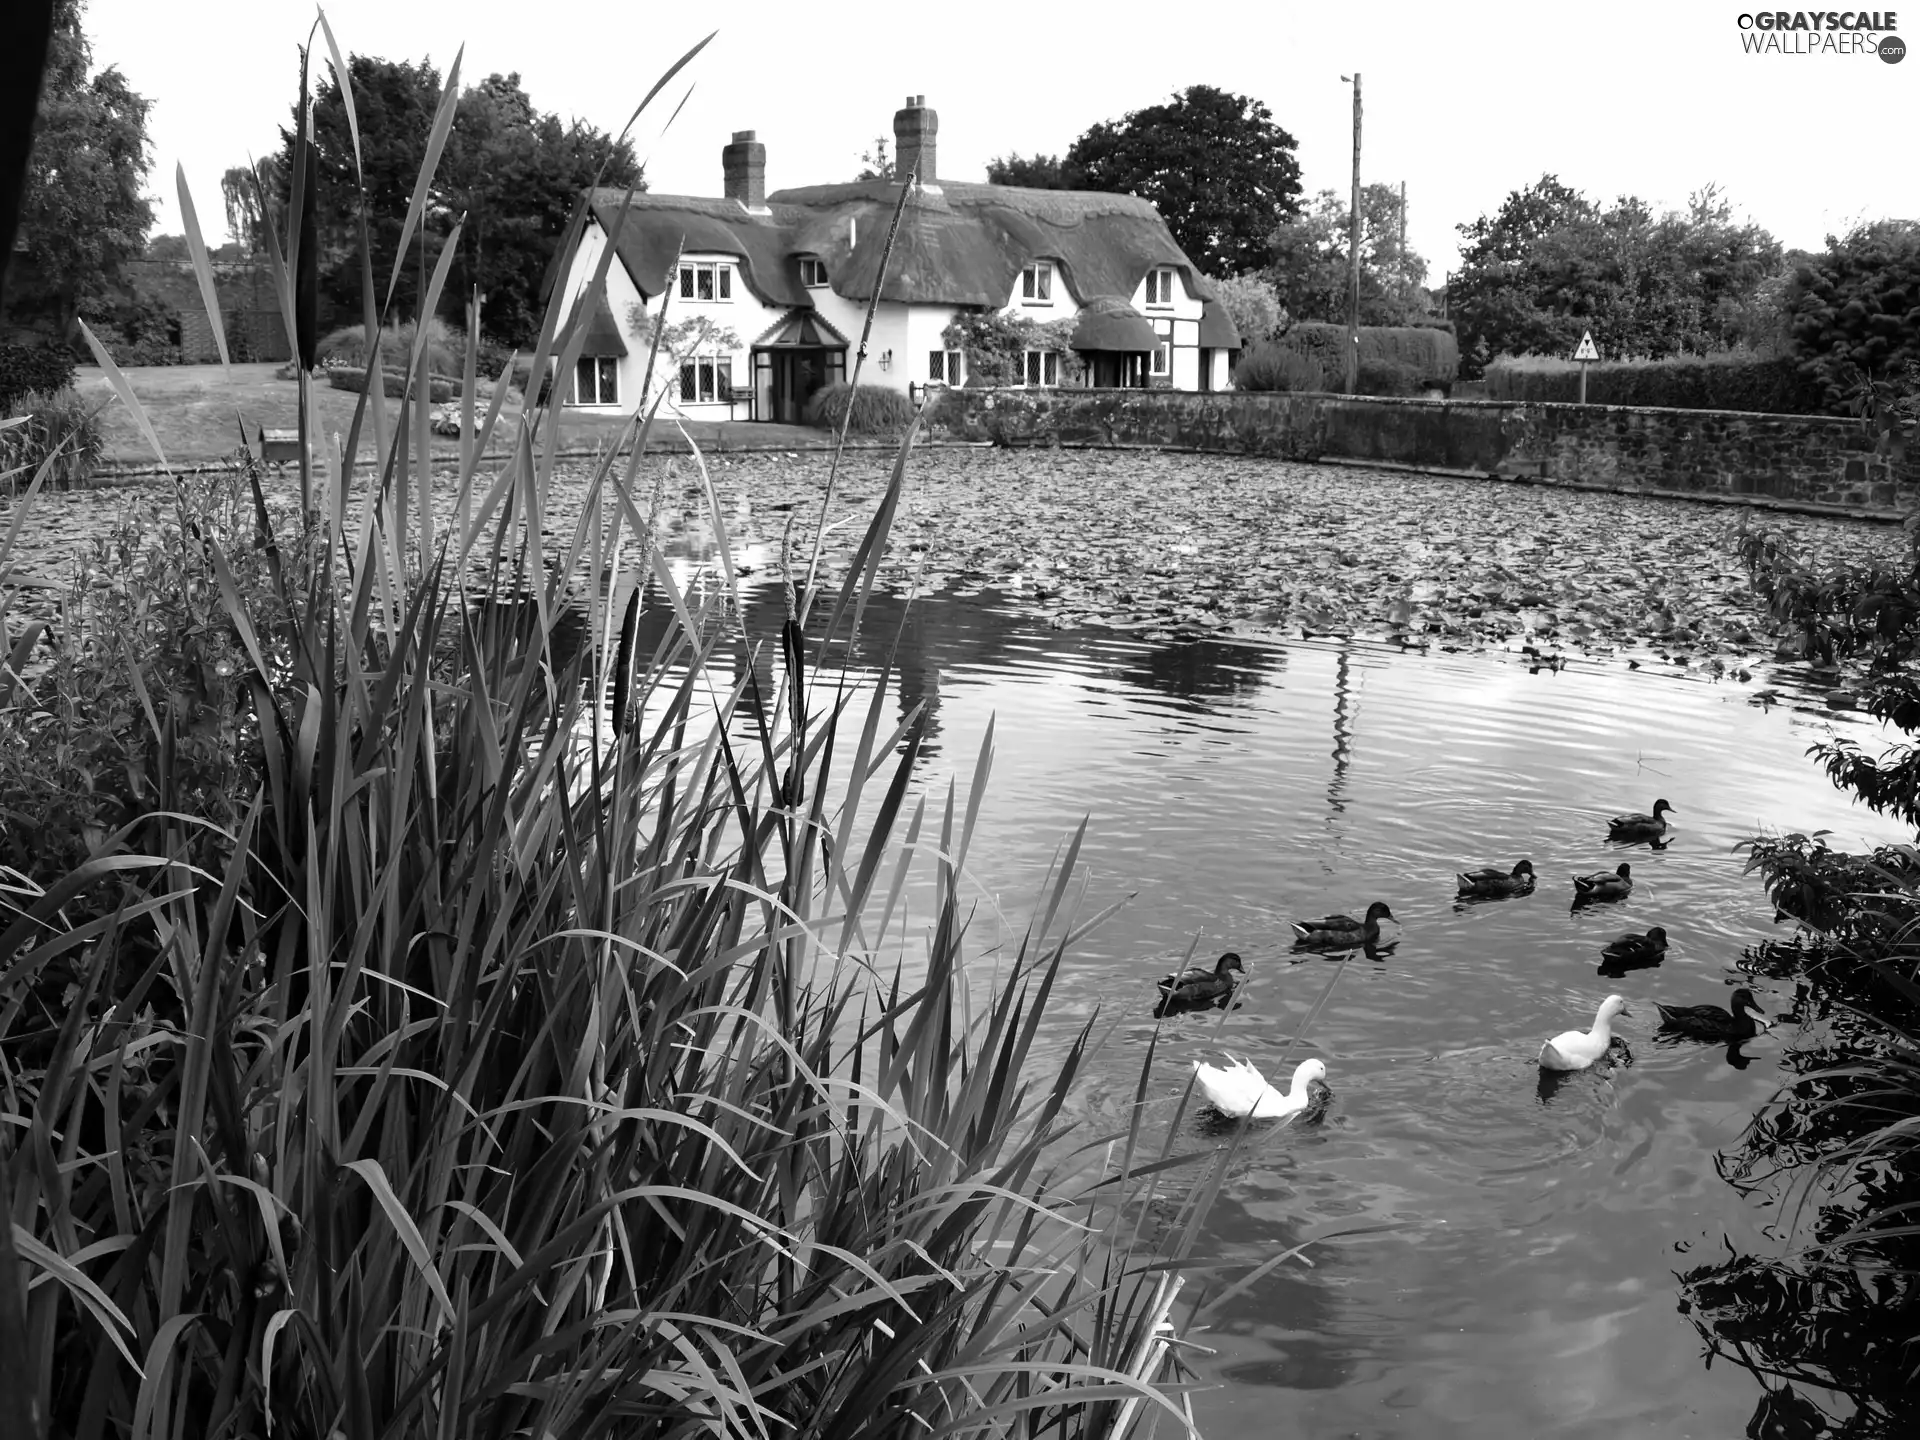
(33, 369)
(1432, 354)
(875, 411)
(1685, 382)
(1387, 377)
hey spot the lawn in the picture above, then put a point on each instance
(197, 410)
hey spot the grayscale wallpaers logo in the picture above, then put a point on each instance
(1823, 32)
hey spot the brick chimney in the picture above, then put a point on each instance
(915, 129)
(744, 163)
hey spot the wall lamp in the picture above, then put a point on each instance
(886, 359)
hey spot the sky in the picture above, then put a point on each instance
(1463, 102)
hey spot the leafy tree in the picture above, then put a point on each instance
(1551, 264)
(1254, 305)
(875, 164)
(513, 171)
(167, 247)
(515, 174)
(1855, 311)
(1036, 172)
(1310, 268)
(394, 102)
(246, 216)
(1215, 165)
(83, 212)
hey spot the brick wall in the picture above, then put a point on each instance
(1710, 454)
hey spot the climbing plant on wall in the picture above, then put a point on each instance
(996, 345)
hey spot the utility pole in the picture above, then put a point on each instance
(1353, 254)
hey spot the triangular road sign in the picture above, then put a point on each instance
(1586, 349)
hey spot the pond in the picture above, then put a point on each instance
(1524, 1277)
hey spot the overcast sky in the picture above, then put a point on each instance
(1463, 102)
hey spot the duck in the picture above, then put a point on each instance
(1634, 949)
(1578, 1049)
(1197, 985)
(1240, 1090)
(1493, 881)
(1603, 886)
(1640, 827)
(1341, 932)
(1709, 1022)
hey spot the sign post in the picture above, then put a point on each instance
(1584, 352)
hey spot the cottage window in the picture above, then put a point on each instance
(1036, 283)
(945, 367)
(1163, 352)
(1040, 368)
(813, 272)
(705, 379)
(596, 381)
(1160, 287)
(706, 280)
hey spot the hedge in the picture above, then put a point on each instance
(393, 382)
(33, 369)
(1271, 366)
(1685, 382)
(1432, 354)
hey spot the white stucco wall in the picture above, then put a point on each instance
(742, 312)
(1182, 317)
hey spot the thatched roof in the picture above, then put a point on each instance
(962, 244)
(1110, 323)
(658, 227)
(603, 336)
(1217, 328)
(966, 244)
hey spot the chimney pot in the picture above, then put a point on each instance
(744, 166)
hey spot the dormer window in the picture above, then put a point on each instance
(813, 272)
(1036, 283)
(1160, 287)
(706, 280)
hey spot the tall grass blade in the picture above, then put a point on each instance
(417, 206)
(202, 269)
(124, 390)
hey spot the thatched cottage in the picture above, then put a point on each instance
(764, 295)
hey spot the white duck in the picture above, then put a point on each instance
(1577, 1049)
(1239, 1089)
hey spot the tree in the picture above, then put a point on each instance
(1552, 264)
(1254, 305)
(875, 164)
(1310, 268)
(83, 212)
(515, 173)
(1221, 173)
(511, 170)
(394, 103)
(246, 216)
(1036, 172)
(1856, 309)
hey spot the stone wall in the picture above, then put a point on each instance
(1800, 460)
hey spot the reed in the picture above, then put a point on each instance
(504, 1069)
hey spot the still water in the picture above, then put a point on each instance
(1524, 1284)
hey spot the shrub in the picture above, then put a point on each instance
(44, 369)
(1432, 354)
(876, 411)
(1685, 382)
(1254, 305)
(348, 346)
(1271, 366)
(143, 623)
(62, 425)
(523, 373)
